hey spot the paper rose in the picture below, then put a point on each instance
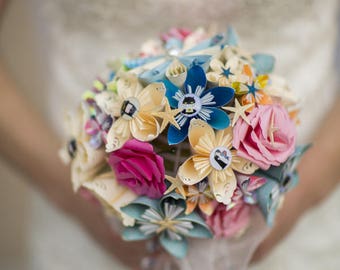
(227, 223)
(139, 168)
(269, 139)
(213, 158)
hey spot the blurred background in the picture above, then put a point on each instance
(36, 236)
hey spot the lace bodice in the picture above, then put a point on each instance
(83, 36)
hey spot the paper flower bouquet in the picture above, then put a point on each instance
(184, 138)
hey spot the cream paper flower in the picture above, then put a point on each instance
(112, 195)
(133, 107)
(86, 162)
(214, 159)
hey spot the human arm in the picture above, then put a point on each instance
(29, 145)
(319, 176)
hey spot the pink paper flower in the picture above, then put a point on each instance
(269, 139)
(139, 168)
(228, 223)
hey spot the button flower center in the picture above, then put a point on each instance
(130, 108)
(220, 158)
(190, 105)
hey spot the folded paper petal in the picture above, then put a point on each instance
(197, 130)
(144, 127)
(118, 134)
(222, 95)
(196, 77)
(223, 184)
(177, 248)
(152, 97)
(218, 119)
(188, 173)
(114, 196)
(134, 234)
(175, 135)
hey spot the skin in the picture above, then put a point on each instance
(34, 139)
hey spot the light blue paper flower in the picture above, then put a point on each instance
(280, 179)
(166, 219)
(197, 102)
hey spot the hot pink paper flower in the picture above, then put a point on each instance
(139, 168)
(228, 223)
(269, 139)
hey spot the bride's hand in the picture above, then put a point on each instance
(321, 162)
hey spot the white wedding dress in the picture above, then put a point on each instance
(55, 48)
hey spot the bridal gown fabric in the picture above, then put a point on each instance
(54, 50)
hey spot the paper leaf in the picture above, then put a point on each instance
(268, 197)
(133, 234)
(264, 63)
(177, 248)
(137, 208)
(232, 38)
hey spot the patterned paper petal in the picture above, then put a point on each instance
(118, 134)
(152, 97)
(196, 77)
(218, 119)
(242, 165)
(134, 234)
(191, 205)
(232, 38)
(170, 93)
(144, 127)
(196, 60)
(223, 184)
(155, 74)
(115, 196)
(177, 248)
(197, 130)
(175, 135)
(222, 95)
(189, 175)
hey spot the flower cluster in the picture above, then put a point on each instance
(188, 89)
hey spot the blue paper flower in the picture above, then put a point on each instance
(165, 218)
(197, 102)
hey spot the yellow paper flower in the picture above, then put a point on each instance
(213, 159)
(133, 107)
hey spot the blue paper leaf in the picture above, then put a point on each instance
(232, 39)
(177, 248)
(199, 231)
(222, 95)
(156, 74)
(268, 197)
(195, 77)
(218, 119)
(264, 63)
(134, 234)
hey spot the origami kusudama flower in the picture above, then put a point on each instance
(111, 195)
(269, 139)
(201, 196)
(229, 223)
(139, 168)
(133, 107)
(165, 218)
(196, 101)
(213, 159)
